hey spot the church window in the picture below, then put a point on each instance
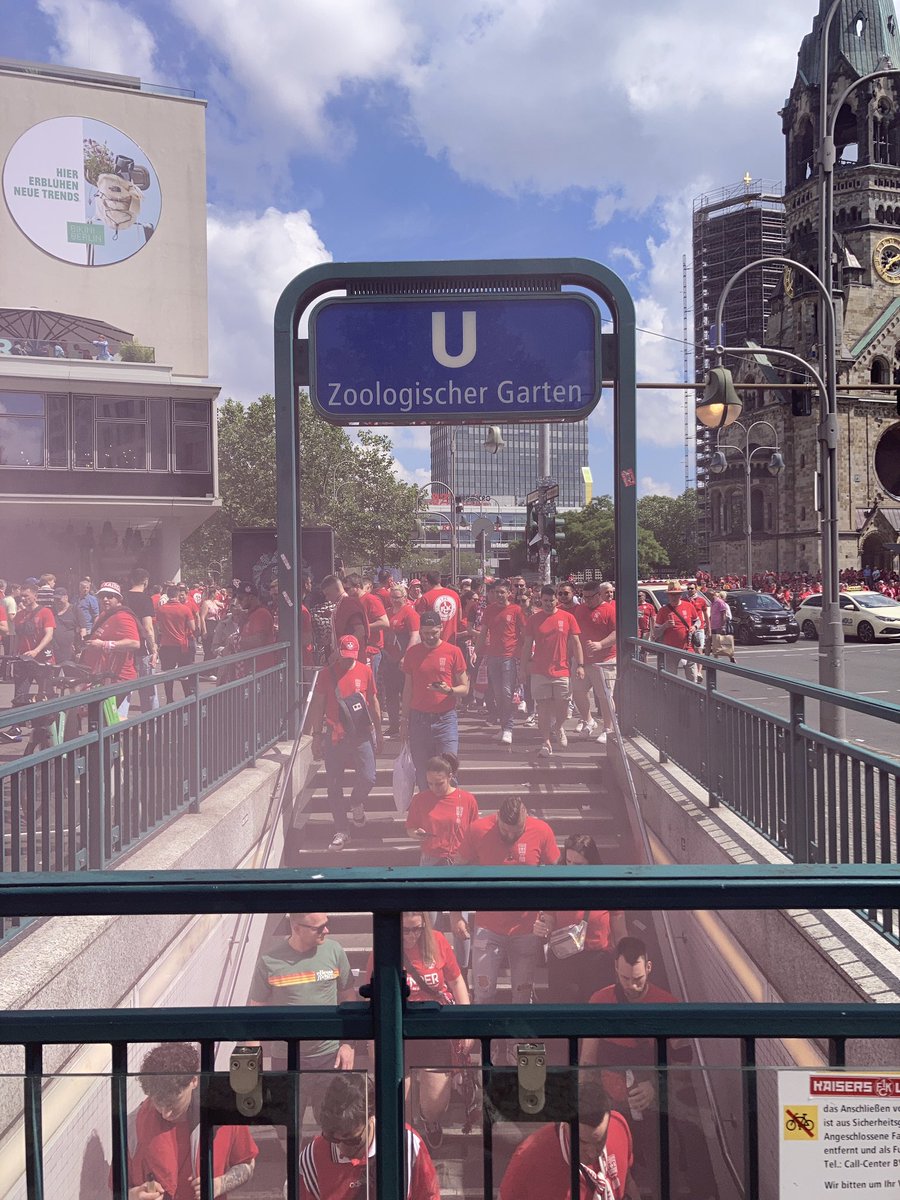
(879, 371)
(881, 142)
(859, 24)
(892, 25)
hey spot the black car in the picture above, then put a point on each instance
(759, 617)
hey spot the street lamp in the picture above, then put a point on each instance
(425, 498)
(719, 463)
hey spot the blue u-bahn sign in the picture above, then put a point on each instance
(418, 360)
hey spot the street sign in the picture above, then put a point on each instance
(401, 360)
(550, 492)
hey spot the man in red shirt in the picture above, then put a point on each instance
(500, 642)
(175, 625)
(339, 1163)
(674, 624)
(347, 608)
(164, 1157)
(630, 1074)
(345, 719)
(383, 591)
(258, 628)
(511, 837)
(34, 624)
(114, 642)
(436, 675)
(376, 617)
(403, 632)
(550, 652)
(541, 1169)
(597, 622)
(445, 602)
(702, 636)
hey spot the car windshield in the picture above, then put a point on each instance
(874, 600)
(762, 601)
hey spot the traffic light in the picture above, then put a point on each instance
(531, 526)
(550, 526)
(801, 402)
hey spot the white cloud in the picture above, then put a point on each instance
(102, 36)
(251, 260)
(647, 486)
(626, 254)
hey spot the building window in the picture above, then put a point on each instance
(121, 445)
(193, 449)
(21, 429)
(879, 371)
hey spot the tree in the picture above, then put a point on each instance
(590, 542)
(353, 487)
(673, 522)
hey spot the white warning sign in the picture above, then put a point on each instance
(838, 1131)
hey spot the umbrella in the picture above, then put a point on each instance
(39, 325)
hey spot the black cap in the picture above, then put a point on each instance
(430, 618)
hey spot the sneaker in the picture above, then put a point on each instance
(433, 1132)
(601, 737)
(339, 841)
(561, 738)
(531, 722)
(7, 735)
(358, 816)
(570, 710)
(589, 728)
(522, 707)
(546, 751)
(579, 728)
(506, 737)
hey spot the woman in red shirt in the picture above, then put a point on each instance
(572, 980)
(402, 632)
(440, 816)
(432, 973)
(113, 641)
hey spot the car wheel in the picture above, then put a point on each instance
(865, 632)
(742, 635)
(809, 631)
(793, 638)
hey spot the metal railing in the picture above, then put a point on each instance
(815, 797)
(109, 784)
(388, 1019)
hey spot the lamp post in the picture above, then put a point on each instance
(831, 637)
(425, 496)
(719, 463)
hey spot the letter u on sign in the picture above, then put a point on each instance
(439, 340)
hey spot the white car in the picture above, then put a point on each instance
(865, 615)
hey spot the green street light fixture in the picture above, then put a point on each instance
(720, 405)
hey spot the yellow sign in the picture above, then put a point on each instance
(801, 1123)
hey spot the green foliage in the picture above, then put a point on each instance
(673, 522)
(590, 542)
(136, 352)
(349, 485)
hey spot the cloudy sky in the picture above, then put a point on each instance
(422, 129)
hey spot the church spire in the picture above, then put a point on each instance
(863, 33)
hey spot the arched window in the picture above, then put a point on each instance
(803, 153)
(846, 137)
(880, 371)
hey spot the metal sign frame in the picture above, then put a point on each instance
(454, 280)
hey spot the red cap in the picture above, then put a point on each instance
(348, 647)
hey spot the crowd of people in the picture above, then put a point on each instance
(125, 633)
(791, 588)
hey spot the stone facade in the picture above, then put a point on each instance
(866, 253)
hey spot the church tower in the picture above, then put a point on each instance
(864, 38)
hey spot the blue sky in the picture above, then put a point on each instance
(424, 129)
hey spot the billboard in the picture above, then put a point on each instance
(82, 191)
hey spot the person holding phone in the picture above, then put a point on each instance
(436, 677)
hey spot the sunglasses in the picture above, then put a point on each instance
(315, 928)
(351, 1140)
(412, 930)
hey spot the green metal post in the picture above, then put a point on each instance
(96, 789)
(388, 980)
(798, 817)
(287, 446)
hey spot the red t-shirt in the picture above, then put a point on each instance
(444, 818)
(505, 628)
(347, 608)
(358, 679)
(683, 616)
(425, 667)
(384, 595)
(403, 625)
(174, 622)
(646, 613)
(482, 846)
(627, 1053)
(446, 604)
(325, 1174)
(259, 630)
(551, 632)
(121, 626)
(436, 975)
(373, 609)
(595, 624)
(701, 605)
(171, 1152)
(539, 1169)
(31, 625)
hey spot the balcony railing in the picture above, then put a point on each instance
(104, 786)
(389, 1020)
(815, 797)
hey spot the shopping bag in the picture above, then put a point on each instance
(110, 711)
(404, 779)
